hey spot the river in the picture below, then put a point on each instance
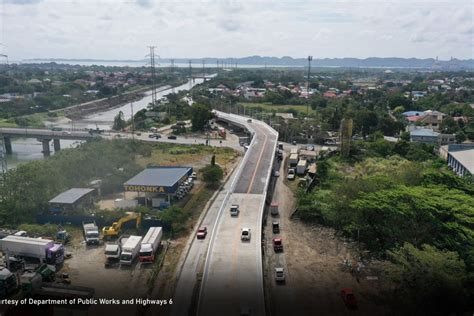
(28, 149)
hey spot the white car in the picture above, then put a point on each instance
(194, 175)
(245, 234)
(291, 174)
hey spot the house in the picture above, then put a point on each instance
(424, 135)
(329, 94)
(285, 116)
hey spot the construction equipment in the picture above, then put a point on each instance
(114, 230)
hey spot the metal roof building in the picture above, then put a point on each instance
(71, 198)
(163, 180)
(462, 161)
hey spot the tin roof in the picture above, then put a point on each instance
(159, 176)
(71, 196)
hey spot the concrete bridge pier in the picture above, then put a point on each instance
(8, 145)
(57, 144)
(46, 151)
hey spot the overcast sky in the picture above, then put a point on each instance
(116, 29)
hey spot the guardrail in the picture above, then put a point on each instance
(258, 254)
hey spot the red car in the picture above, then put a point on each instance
(277, 244)
(348, 298)
(202, 232)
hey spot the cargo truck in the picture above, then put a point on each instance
(91, 233)
(130, 250)
(150, 244)
(293, 160)
(113, 250)
(44, 250)
(8, 283)
(301, 167)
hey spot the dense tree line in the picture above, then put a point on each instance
(407, 208)
(26, 190)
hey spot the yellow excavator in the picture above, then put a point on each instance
(114, 230)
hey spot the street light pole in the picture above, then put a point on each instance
(310, 58)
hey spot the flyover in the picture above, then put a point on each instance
(232, 276)
(42, 135)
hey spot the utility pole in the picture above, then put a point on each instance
(133, 122)
(310, 58)
(152, 65)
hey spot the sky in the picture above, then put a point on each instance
(116, 29)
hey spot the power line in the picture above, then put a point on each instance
(153, 78)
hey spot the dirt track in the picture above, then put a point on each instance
(312, 259)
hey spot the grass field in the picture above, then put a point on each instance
(268, 107)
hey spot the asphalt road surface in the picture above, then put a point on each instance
(233, 279)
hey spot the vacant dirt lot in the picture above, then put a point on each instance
(312, 258)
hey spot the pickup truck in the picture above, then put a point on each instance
(277, 244)
(276, 227)
(291, 174)
(245, 234)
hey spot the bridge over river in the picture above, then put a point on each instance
(44, 136)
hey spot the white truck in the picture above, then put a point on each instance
(130, 250)
(150, 244)
(293, 160)
(113, 250)
(91, 233)
(301, 167)
(45, 250)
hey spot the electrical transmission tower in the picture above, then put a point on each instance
(153, 77)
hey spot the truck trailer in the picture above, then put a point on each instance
(130, 250)
(43, 249)
(293, 160)
(91, 233)
(150, 244)
(301, 167)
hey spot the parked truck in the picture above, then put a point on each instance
(150, 244)
(301, 167)
(43, 249)
(274, 209)
(8, 283)
(113, 250)
(91, 233)
(130, 250)
(293, 160)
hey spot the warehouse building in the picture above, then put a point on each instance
(461, 159)
(158, 183)
(75, 198)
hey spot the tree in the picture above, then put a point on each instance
(460, 137)
(200, 115)
(119, 122)
(212, 175)
(430, 280)
(175, 217)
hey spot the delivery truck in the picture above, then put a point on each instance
(150, 244)
(91, 233)
(293, 160)
(301, 167)
(43, 249)
(130, 250)
(113, 250)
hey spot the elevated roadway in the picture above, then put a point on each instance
(233, 277)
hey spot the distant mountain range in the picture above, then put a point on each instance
(371, 62)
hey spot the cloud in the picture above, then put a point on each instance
(417, 38)
(22, 2)
(230, 25)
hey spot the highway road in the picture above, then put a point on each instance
(233, 279)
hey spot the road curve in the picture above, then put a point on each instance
(233, 277)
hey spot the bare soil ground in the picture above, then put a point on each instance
(313, 260)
